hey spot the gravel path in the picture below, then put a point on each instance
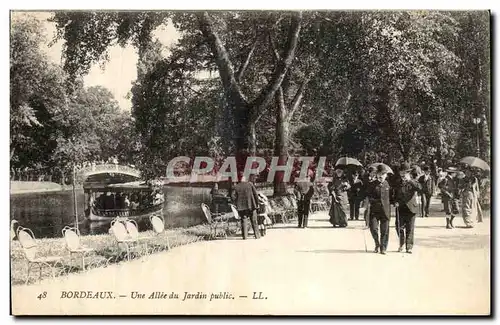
(319, 270)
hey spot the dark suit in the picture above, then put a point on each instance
(380, 212)
(304, 192)
(427, 191)
(406, 192)
(355, 198)
(449, 191)
(246, 201)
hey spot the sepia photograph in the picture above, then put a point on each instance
(250, 162)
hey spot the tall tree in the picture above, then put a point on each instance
(88, 36)
(36, 93)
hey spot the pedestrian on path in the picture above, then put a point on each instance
(303, 191)
(355, 195)
(380, 211)
(340, 203)
(405, 201)
(369, 180)
(468, 198)
(262, 214)
(449, 191)
(427, 183)
(246, 200)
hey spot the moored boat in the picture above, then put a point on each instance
(135, 200)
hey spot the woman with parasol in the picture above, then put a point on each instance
(476, 167)
(338, 189)
(468, 197)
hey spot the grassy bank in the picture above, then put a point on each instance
(106, 251)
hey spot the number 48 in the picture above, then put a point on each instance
(42, 295)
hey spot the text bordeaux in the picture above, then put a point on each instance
(87, 295)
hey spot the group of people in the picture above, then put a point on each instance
(409, 191)
(460, 191)
(122, 201)
(408, 188)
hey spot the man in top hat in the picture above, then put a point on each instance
(369, 179)
(449, 192)
(355, 195)
(378, 194)
(427, 182)
(304, 190)
(405, 201)
(246, 200)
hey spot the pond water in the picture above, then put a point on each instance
(46, 214)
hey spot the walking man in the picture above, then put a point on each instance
(449, 192)
(427, 183)
(405, 193)
(355, 196)
(246, 200)
(380, 212)
(303, 192)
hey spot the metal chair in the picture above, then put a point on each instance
(158, 224)
(318, 205)
(234, 218)
(29, 245)
(289, 209)
(276, 210)
(73, 245)
(119, 230)
(133, 231)
(214, 220)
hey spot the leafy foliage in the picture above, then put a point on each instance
(51, 127)
(377, 85)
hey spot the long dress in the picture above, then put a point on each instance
(478, 203)
(340, 202)
(469, 203)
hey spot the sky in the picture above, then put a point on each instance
(119, 72)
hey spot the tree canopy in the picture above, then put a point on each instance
(377, 85)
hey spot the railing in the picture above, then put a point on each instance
(33, 175)
(125, 212)
(107, 168)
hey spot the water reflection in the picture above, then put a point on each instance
(48, 213)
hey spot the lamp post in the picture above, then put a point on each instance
(75, 206)
(476, 121)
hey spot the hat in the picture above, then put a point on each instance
(452, 169)
(425, 168)
(404, 167)
(381, 169)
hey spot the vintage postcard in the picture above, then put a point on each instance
(246, 162)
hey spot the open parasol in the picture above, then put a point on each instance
(384, 166)
(475, 162)
(348, 161)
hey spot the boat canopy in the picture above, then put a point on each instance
(118, 187)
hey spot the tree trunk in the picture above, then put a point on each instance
(243, 135)
(485, 137)
(281, 147)
(253, 138)
(246, 113)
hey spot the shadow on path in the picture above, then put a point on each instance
(457, 242)
(337, 251)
